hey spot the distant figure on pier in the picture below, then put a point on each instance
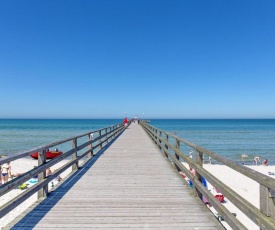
(256, 159)
(125, 121)
(265, 162)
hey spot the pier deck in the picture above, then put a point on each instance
(131, 185)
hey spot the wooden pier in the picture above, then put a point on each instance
(129, 185)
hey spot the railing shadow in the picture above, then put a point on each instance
(30, 220)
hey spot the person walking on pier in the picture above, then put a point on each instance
(125, 121)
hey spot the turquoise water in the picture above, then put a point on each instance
(17, 135)
(229, 138)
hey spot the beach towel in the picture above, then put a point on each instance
(33, 181)
(22, 186)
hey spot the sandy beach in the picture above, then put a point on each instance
(21, 166)
(244, 186)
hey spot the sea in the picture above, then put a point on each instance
(227, 137)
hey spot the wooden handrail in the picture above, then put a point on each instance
(263, 217)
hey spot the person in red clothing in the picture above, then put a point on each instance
(125, 121)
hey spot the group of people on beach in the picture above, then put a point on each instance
(204, 182)
(193, 172)
(258, 159)
(6, 173)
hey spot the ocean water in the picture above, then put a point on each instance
(17, 135)
(229, 138)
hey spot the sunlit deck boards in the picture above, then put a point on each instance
(130, 186)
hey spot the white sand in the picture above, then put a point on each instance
(244, 186)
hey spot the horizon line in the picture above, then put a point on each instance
(49, 118)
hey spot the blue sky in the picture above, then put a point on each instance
(166, 59)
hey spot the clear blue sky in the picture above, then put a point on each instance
(166, 59)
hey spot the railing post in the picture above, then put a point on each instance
(119, 131)
(43, 192)
(90, 146)
(199, 161)
(156, 136)
(74, 156)
(106, 138)
(111, 135)
(166, 146)
(160, 134)
(267, 201)
(177, 146)
(116, 132)
(199, 158)
(99, 140)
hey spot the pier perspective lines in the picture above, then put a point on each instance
(128, 185)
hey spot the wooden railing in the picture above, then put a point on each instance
(90, 148)
(264, 217)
